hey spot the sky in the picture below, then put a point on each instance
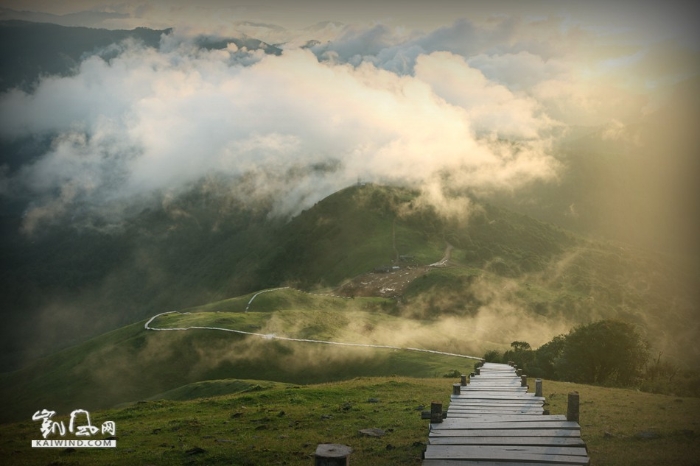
(441, 95)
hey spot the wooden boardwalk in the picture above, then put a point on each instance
(493, 421)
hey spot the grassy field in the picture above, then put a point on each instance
(282, 424)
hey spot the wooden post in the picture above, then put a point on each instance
(463, 380)
(519, 372)
(572, 407)
(456, 388)
(511, 363)
(472, 374)
(523, 380)
(332, 454)
(435, 412)
(538, 387)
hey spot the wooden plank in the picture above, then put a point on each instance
(494, 379)
(495, 391)
(517, 397)
(482, 402)
(477, 409)
(496, 404)
(494, 409)
(499, 381)
(493, 382)
(502, 388)
(520, 395)
(465, 451)
(519, 432)
(533, 441)
(468, 424)
(485, 393)
(483, 463)
(493, 387)
(473, 412)
(486, 396)
(487, 406)
(510, 417)
(508, 383)
(520, 454)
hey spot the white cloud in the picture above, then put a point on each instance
(385, 103)
(153, 120)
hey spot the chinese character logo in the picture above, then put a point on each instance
(79, 424)
(47, 425)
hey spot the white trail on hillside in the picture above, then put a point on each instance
(147, 326)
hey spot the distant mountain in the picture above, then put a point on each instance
(68, 284)
(83, 18)
(217, 43)
(29, 50)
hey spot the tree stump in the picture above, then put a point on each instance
(332, 454)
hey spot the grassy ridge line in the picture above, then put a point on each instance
(260, 292)
(147, 326)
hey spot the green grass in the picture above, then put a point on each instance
(212, 388)
(131, 363)
(282, 424)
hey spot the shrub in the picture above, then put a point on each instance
(493, 356)
(604, 352)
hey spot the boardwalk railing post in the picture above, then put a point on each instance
(478, 371)
(435, 412)
(572, 407)
(523, 380)
(538, 387)
(456, 389)
(519, 372)
(332, 454)
(463, 380)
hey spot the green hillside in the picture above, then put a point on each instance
(132, 363)
(282, 424)
(509, 278)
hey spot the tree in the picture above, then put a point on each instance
(604, 352)
(546, 357)
(521, 354)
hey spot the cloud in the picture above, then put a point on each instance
(150, 120)
(476, 104)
